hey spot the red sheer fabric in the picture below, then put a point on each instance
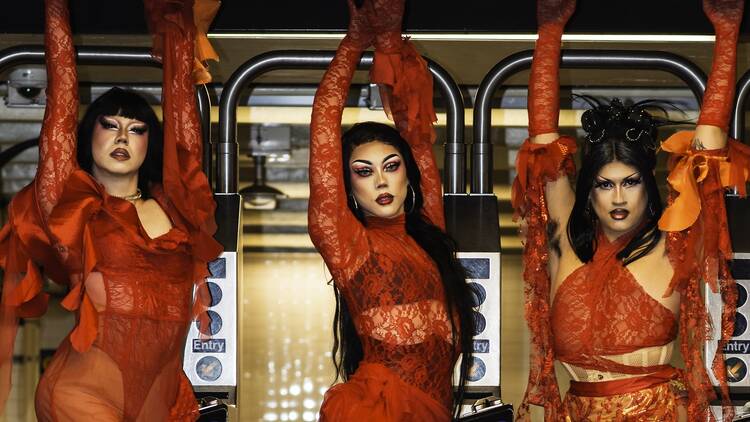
(726, 16)
(699, 248)
(391, 286)
(132, 294)
(544, 81)
(600, 309)
(586, 322)
(536, 165)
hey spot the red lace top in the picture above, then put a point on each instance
(600, 309)
(392, 286)
(622, 318)
(132, 294)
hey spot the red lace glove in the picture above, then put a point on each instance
(726, 16)
(385, 17)
(359, 34)
(544, 82)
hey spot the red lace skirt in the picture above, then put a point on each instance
(375, 393)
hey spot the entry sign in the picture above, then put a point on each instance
(211, 352)
(483, 277)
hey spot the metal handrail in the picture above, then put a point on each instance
(738, 118)
(227, 147)
(481, 157)
(109, 56)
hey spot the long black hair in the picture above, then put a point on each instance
(627, 134)
(119, 102)
(347, 348)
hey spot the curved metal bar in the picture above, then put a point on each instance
(227, 148)
(738, 120)
(481, 158)
(122, 56)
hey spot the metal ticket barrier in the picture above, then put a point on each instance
(123, 56)
(479, 206)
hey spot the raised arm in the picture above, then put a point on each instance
(406, 89)
(336, 233)
(698, 241)
(713, 123)
(544, 99)
(542, 192)
(57, 141)
(172, 25)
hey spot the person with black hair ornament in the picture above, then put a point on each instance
(404, 310)
(610, 275)
(124, 217)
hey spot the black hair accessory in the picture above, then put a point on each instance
(632, 123)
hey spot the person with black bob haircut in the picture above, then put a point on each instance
(403, 307)
(120, 102)
(611, 275)
(123, 217)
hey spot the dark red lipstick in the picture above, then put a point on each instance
(619, 214)
(384, 199)
(120, 154)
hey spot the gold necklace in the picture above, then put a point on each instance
(132, 197)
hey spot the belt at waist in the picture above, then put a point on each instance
(623, 386)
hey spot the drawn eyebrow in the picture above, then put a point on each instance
(389, 157)
(362, 161)
(604, 179)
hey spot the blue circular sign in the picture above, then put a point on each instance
(208, 368)
(740, 325)
(736, 369)
(478, 294)
(480, 323)
(214, 327)
(741, 294)
(477, 370)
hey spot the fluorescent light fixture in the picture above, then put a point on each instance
(420, 36)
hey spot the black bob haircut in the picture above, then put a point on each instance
(120, 102)
(627, 134)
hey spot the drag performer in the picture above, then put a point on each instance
(609, 276)
(125, 219)
(376, 216)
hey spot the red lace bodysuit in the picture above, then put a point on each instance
(132, 294)
(600, 311)
(391, 285)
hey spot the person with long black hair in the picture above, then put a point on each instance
(403, 310)
(610, 275)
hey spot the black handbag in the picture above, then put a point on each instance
(489, 409)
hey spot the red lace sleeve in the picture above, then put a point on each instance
(536, 165)
(185, 184)
(24, 243)
(406, 89)
(336, 233)
(699, 248)
(57, 142)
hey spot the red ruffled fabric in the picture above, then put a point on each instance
(537, 164)
(700, 252)
(406, 90)
(203, 12)
(375, 393)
